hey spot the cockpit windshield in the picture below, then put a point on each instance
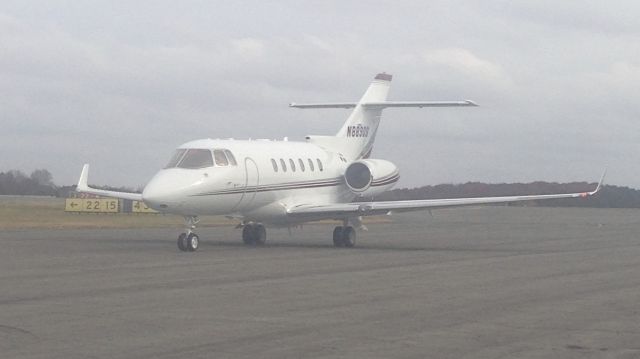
(196, 158)
(177, 156)
(221, 159)
(191, 158)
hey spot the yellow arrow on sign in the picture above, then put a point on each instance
(73, 205)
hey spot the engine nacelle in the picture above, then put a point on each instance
(369, 177)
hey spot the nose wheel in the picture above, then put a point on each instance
(189, 241)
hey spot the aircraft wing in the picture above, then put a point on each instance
(341, 210)
(84, 188)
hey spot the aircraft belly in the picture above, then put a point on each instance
(221, 204)
(271, 207)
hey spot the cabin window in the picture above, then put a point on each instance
(221, 159)
(275, 165)
(283, 165)
(311, 164)
(293, 165)
(301, 164)
(319, 164)
(231, 158)
(196, 158)
(177, 156)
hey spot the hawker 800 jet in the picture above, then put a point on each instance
(286, 183)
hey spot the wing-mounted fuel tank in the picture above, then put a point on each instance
(369, 177)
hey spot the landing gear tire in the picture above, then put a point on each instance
(247, 234)
(344, 236)
(192, 242)
(187, 240)
(254, 234)
(337, 237)
(182, 242)
(349, 237)
(259, 234)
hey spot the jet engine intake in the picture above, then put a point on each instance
(369, 177)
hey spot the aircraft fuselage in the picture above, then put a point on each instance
(267, 177)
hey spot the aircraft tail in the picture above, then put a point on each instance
(356, 136)
(362, 125)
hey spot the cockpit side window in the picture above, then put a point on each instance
(196, 158)
(221, 159)
(230, 157)
(177, 156)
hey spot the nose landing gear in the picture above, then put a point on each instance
(189, 241)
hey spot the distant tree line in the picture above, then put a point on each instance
(40, 183)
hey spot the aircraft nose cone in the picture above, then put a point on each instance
(153, 198)
(156, 196)
(169, 190)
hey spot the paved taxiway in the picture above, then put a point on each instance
(470, 283)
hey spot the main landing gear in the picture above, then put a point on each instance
(189, 241)
(254, 234)
(344, 236)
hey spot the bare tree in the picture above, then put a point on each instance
(42, 177)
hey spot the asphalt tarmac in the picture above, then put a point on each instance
(496, 282)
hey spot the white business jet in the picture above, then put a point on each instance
(285, 183)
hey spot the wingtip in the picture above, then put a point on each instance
(84, 178)
(600, 183)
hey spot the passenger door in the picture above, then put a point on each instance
(252, 179)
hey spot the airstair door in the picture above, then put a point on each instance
(252, 179)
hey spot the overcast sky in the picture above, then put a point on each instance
(120, 84)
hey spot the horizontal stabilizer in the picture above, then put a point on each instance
(385, 104)
(419, 104)
(324, 105)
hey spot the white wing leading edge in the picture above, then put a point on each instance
(341, 210)
(84, 188)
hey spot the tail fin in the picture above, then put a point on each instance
(362, 125)
(355, 138)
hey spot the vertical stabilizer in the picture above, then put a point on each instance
(362, 125)
(355, 138)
